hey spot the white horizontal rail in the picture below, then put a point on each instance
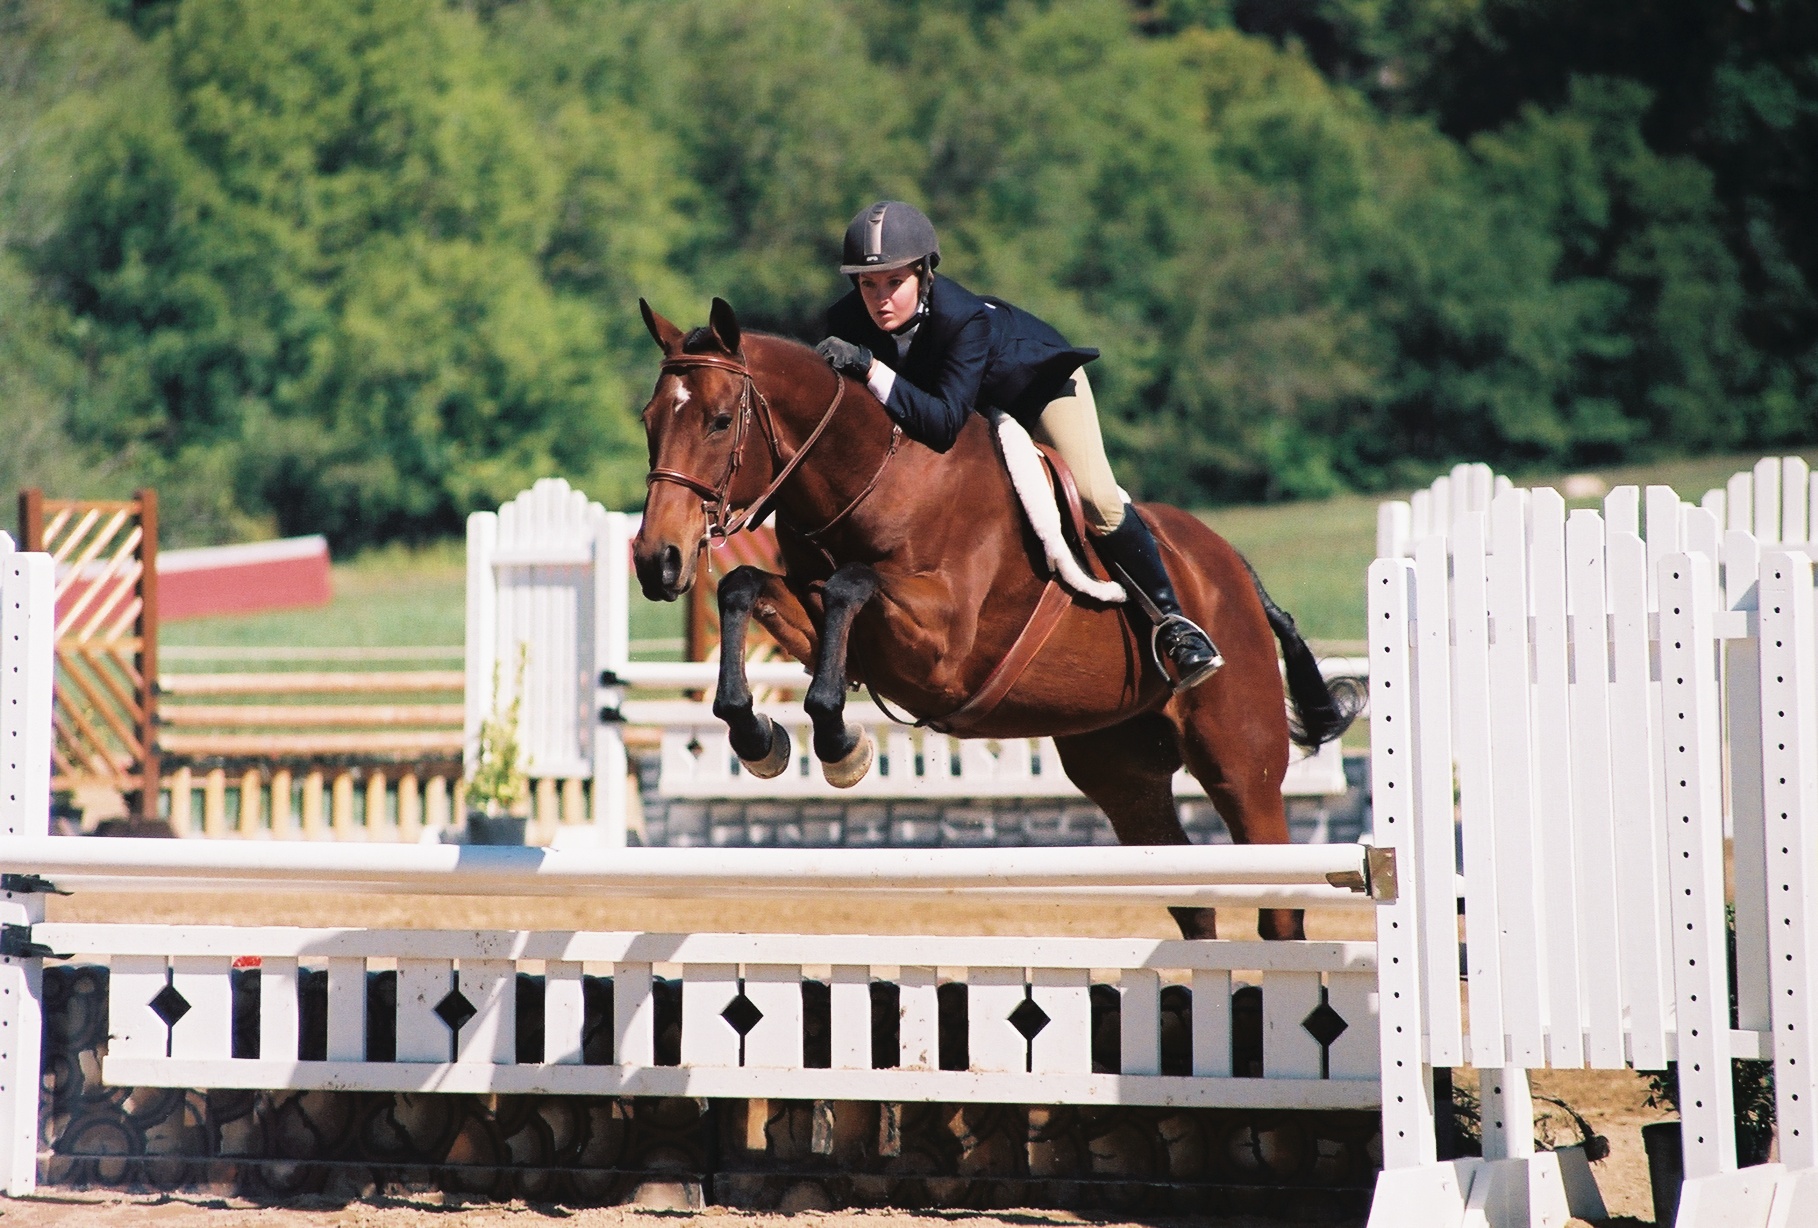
(167, 865)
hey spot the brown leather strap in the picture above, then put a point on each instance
(1049, 608)
(896, 438)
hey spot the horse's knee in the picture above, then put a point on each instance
(739, 589)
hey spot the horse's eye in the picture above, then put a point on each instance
(720, 423)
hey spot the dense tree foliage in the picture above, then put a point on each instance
(361, 266)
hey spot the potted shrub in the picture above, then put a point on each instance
(499, 784)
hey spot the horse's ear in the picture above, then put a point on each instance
(662, 331)
(725, 325)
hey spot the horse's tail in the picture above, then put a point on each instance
(1323, 708)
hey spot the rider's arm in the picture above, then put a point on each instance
(934, 415)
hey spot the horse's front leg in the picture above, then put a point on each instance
(845, 751)
(761, 744)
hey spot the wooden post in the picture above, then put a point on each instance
(341, 817)
(376, 826)
(148, 654)
(31, 519)
(410, 808)
(280, 804)
(180, 816)
(312, 805)
(435, 805)
(251, 785)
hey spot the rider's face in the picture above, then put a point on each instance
(890, 296)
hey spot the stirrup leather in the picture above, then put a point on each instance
(1189, 681)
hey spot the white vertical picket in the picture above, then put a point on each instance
(1524, 981)
(1599, 919)
(1445, 503)
(1664, 538)
(1789, 669)
(279, 1009)
(992, 1040)
(1420, 505)
(776, 1040)
(1289, 1050)
(1064, 1045)
(850, 1024)
(918, 1019)
(1506, 1113)
(1139, 1021)
(1716, 503)
(347, 1010)
(205, 1030)
(27, 664)
(133, 1027)
(1477, 795)
(1636, 809)
(1211, 1023)
(1435, 814)
(423, 1036)
(1745, 819)
(1554, 758)
(707, 1039)
(1400, 800)
(1739, 499)
(1622, 510)
(1394, 524)
(612, 651)
(1690, 718)
(482, 626)
(1795, 478)
(491, 987)
(1767, 500)
(1357, 1053)
(564, 1012)
(633, 1015)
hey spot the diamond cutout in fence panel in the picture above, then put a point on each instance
(1029, 1019)
(170, 1005)
(455, 1010)
(1324, 1025)
(742, 1013)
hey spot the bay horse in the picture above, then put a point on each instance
(916, 573)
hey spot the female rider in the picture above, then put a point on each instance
(932, 352)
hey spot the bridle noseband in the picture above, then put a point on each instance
(717, 498)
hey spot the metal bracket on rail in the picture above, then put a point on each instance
(1377, 878)
(16, 943)
(608, 678)
(611, 716)
(28, 884)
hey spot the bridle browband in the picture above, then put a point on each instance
(716, 500)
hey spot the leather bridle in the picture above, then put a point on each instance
(716, 499)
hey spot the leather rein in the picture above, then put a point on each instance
(717, 499)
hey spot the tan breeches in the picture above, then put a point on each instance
(1069, 425)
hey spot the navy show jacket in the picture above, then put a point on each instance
(970, 352)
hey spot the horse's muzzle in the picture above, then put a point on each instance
(661, 574)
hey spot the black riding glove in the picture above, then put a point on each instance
(846, 358)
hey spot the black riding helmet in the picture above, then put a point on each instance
(892, 235)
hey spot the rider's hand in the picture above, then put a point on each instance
(845, 357)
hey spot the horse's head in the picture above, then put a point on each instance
(698, 423)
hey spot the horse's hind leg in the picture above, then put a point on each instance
(845, 751)
(761, 744)
(1127, 770)
(1250, 803)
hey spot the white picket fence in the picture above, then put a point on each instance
(548, 576)
(1585, 710)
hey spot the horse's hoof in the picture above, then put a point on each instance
(776, 762)
(850, 770)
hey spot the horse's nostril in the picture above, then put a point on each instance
(672, 566)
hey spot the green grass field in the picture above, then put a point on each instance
(1312, 557)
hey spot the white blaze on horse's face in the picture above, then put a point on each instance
(681, 399)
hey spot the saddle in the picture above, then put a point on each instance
(1049, 608)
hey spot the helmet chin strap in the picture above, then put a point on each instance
(926, 276)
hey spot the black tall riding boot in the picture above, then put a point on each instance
(1183, 650)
